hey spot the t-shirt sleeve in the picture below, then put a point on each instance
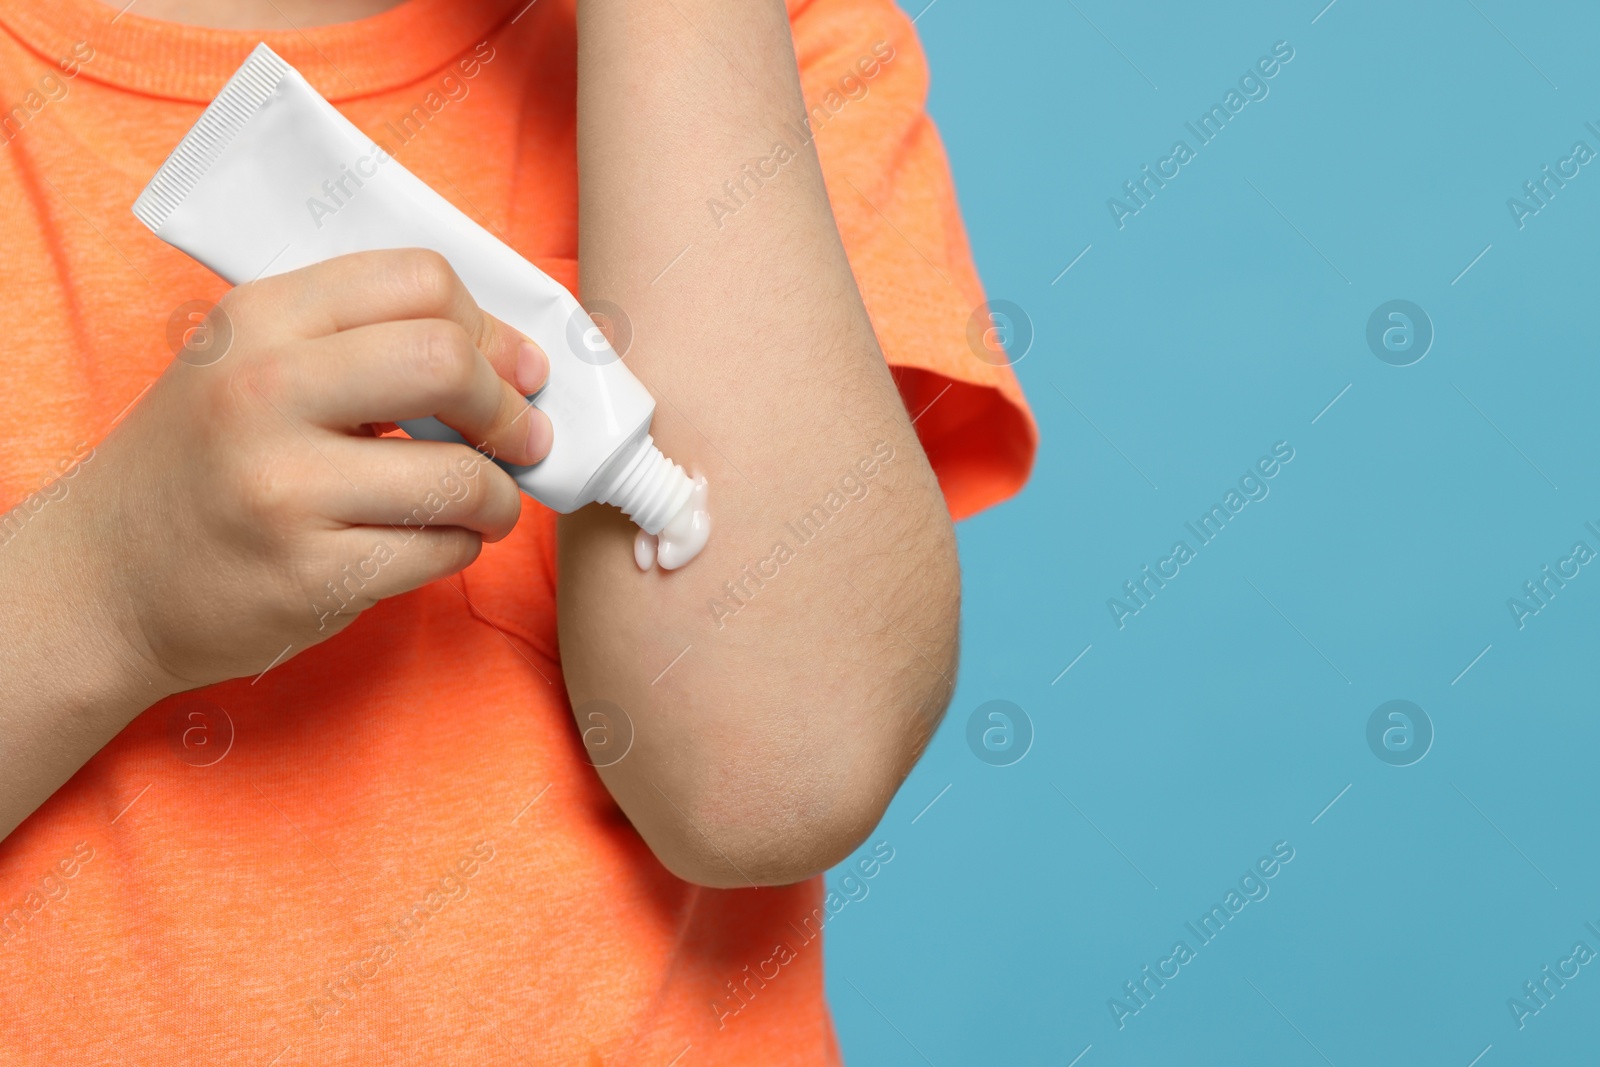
(866, 80)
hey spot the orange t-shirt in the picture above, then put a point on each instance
(391, 848)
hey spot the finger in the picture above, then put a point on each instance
(516, 358)
(373, 563)
(416, 486)
(390, 371)
(364, 288)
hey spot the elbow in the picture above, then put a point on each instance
(801, 795)
(744, 840)
(774, 770)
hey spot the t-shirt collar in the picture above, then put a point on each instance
(167, 59)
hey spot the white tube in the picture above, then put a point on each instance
(272, 178)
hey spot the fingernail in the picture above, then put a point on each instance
(540, 433)
(531, 367)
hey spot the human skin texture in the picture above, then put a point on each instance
(770, 749)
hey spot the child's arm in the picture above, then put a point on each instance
(777, 699)
(194, 545)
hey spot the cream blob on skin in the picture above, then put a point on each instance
(681, 539)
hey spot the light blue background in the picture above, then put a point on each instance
(1221, 319)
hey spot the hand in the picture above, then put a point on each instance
(247, 508)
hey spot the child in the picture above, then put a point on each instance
(287, 780)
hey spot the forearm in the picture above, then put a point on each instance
(813, 674)
(69, 681)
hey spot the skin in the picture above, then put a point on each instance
(772, 747)
(259, 14)
(766, 744)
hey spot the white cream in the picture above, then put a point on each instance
(272, 178)
(681, 539)
(644, 550)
